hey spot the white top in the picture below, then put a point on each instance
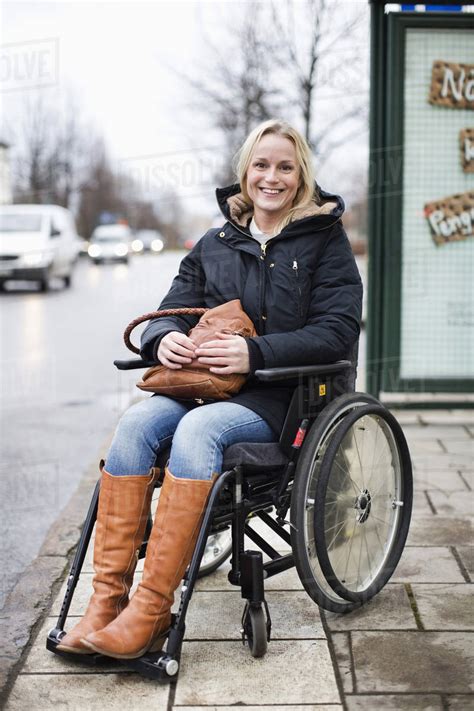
(257, 233)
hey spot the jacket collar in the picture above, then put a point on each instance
(324, 209)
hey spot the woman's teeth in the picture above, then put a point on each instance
(268, 191)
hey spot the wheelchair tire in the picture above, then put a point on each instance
(256, 631)
(303, 499)
(218, 549)
(363, 503)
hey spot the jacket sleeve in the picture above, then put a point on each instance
(334, 314)
(187, 290)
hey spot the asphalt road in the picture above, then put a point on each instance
(61, 396)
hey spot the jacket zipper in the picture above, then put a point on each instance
(298, 286)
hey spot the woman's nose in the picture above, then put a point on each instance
(271, 176)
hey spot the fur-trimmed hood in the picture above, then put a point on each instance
(325, 209)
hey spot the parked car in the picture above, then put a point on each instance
(148, 241)
(37, 242)
(110, 243)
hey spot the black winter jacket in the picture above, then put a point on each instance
(302, 290)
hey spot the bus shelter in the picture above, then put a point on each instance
(420, 323)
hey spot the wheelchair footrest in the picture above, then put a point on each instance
(90, 660)
(158, 665)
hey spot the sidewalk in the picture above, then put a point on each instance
(410, 648)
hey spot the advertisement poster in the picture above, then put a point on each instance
(437, 320)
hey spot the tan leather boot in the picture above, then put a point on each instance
(124, 503)
(143, 625)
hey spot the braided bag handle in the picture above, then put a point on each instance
(157, 314)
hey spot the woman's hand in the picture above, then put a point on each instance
(175, 349)
(226, 354)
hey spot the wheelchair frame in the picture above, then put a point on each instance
(237, 494)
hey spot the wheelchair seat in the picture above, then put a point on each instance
(252, 456)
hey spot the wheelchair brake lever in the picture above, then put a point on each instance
(282, 521)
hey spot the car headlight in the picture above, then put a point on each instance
(38, 259)
(121, 250)
(137, 245)
(157, 245)
(94, 251)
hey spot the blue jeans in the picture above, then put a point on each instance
(198, 436)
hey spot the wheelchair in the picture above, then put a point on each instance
(337, 488)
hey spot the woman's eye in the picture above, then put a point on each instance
(287, 168)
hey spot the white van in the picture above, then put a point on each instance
(37, 242)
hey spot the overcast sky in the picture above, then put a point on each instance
(117, 58)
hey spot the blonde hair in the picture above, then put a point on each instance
(306, 188)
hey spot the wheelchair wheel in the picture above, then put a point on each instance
(304, 496)
(218, 549)
(363, 503)
(255, 629)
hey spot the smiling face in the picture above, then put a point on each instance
(272, 179)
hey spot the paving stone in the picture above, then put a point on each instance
(447, 417)
(427, 565)
(446, 607)
(425, 446)
(214, 671)
(453, 503)
(114, 692)
(439, 531)
(394, 702)
(443, 461)
(217, 615)
(341, 646)
(465, 446)
(468, 477)
(442, 432)
(41, 661)
(466, 554)
(407, 417)
(460, 702)
(420, 502)
(431, 479)
(390, 609)
(425, 662)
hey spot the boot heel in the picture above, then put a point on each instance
(157, 645)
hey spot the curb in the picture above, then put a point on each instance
(30, 600)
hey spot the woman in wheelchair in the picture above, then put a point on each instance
(283, 252)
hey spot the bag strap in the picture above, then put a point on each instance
(157, 314)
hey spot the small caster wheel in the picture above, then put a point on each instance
(255, 631)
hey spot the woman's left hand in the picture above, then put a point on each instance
(226, 354)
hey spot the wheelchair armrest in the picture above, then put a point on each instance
(270, 374)
(134, 363)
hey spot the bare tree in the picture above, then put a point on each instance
(301, 61)
(241, 89)
(324, 54)
(50, 152)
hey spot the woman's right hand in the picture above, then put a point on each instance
(175, 349)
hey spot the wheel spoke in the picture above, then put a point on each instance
(346, 473)
(336, 534)
(360, 463)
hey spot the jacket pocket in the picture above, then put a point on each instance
(291, 292)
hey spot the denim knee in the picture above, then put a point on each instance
(201, 437)
(140, 433)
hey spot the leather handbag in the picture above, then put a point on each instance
(195, 381)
